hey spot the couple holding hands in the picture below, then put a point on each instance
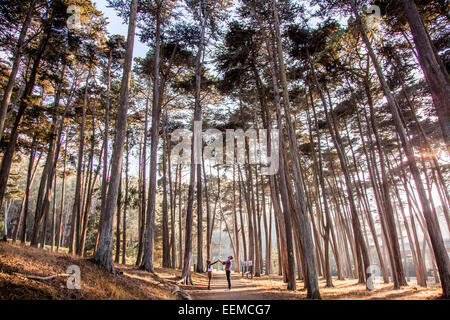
(227, 264)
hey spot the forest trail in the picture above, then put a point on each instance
(273, 288)
(241, 288)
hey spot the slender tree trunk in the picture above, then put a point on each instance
(172, 195)
(144, 184)
(44, 191)
(89, 189)
(250, 225)
(52, 241)
(180, 220)
(103, 254)
(280, 266)
(165, 212)
(118, 213)
(148, 253)
(195, 152)
(266, 231)
(125, 206)
(208, 213)
(88, 204)
(362, 256)
(399, 278)
(290, 262)
(301, 216)
(63, 187)
(77, 204)
(241, 216)
(104, 189)
(30, 176)
(325, 202)
(374, 187)
(199, 265)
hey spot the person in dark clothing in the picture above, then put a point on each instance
(227, 269)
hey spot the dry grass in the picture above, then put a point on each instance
(273, 288)
(17, 260)
(348, 289)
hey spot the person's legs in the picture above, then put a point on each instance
(209, 279)
(228, 279)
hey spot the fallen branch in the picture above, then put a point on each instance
(43, 278)
(181, 295)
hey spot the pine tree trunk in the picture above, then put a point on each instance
(199, 265)
(27, 190)
(43, 192)
(266, 231)
(327, 224)
(399, 277)
(104, 189)
(103, 254)
(208, 213)
(125, 207)
(118, 213)
(180, 220)
(235, 224)
(52, 240)
(195, 153)
(165, 212)
(301, 218)
(143, 203)
(77, 207)
(148, 253)
(289, 262)
(63, 187)
(172, 194)
(250, 225)
(241, 216)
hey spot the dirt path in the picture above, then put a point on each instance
(273, 288)
(241, 288)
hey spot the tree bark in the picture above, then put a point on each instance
(103, 254)
(197, 117)
(77, 204)
(148, 253)
(125, 206)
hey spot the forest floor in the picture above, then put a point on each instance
(273, 288)
(18, 263)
